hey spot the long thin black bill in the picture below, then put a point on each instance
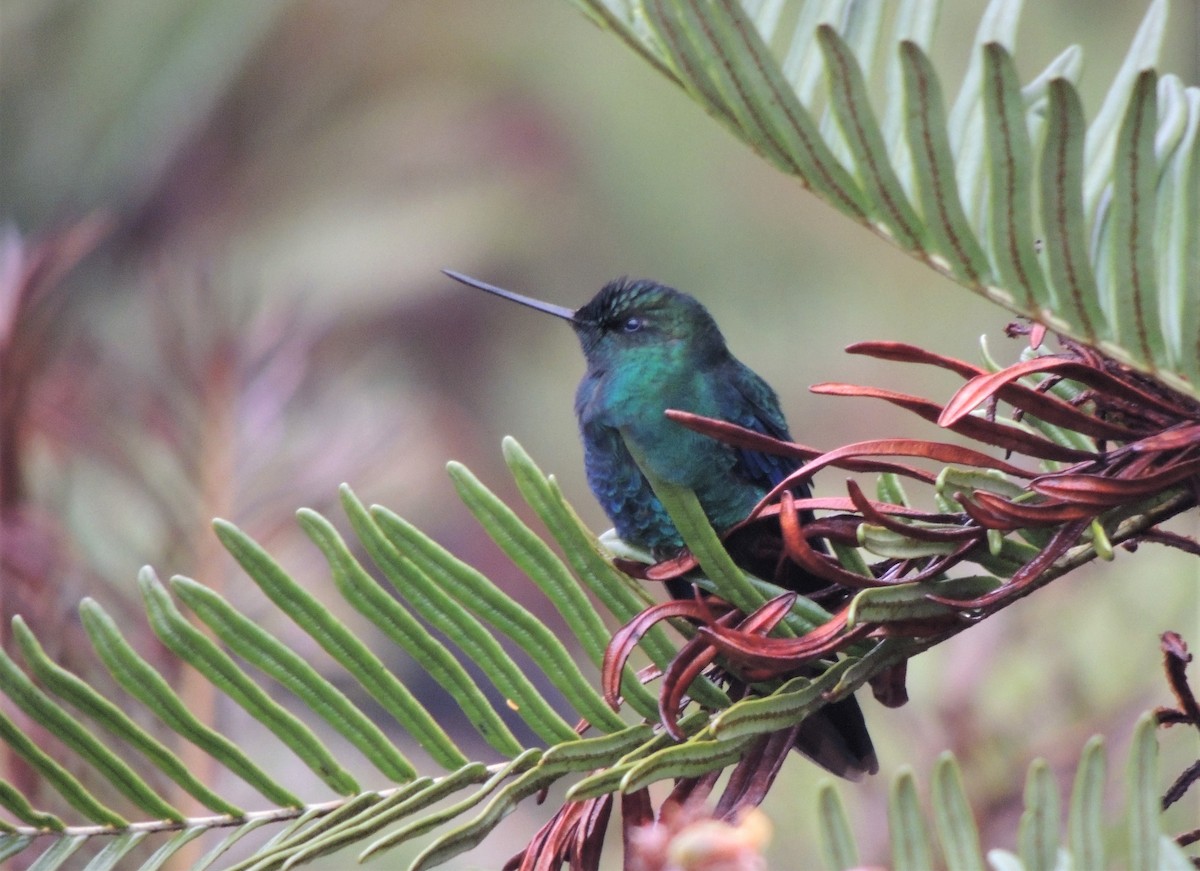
(558, 311)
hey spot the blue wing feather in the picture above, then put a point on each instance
(755, 406)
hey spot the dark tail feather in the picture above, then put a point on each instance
(836, 738)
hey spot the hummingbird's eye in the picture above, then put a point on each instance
(632, 325)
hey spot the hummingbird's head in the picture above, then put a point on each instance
(633, 313)
(630, 318)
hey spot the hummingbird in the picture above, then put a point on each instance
(649, 348)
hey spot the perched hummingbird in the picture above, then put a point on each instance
(650, 347)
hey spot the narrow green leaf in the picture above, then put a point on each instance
(998, 24)
(766, 17)
(429, 822)
(315, 824)
(869, 658)
(347, 828)
(952, 817)
(225, 844)
(911, 848)
(915, 22)
(1010, 160)
(71, 689)
(1067, 438)
(785, 707)
(692, 70)
(463, 838)
(1172, 120)
(692, 758)
(837, 840)
(373, 602)
(166, 851)
(1064, 222)
(1067, 66)
(850, 558)
(11, 845)
(55, 776)
(144, 683)
(751, 90)
(1179, 246)
(342, 644)
(60, 850)
(1037, 835)
(925, 126)
(1102, 134)
(481, 596)
(607, 780)
(194, 647)
(429, 599)
(602, 782)
(1085, 817)
(535, 559)
(701, 539)
(965, 123)
(1145, 806)
(613, 588)
(631, 29)
(889, 543)
(294, 828)
(1132, 291)
(951, 479)
(14, 801)
(911, 602)
(603, 750)
(851, 105)
(257, 646)
(801, 66)
(115, 850)
(43, 710)
(487, 601)
(582, 551)
(890, 489)
(858, 28)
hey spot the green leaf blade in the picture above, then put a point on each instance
(1132, 291)
(340, 643)
(70, 688)
(144, 683)
(933, 159)
(1010, 159)
(852, 108)
(275, 659)
(43, 710)
(373, 602)
(195, 648)
(953, 819)
(911, 848)
(431, 601)
(1085, 819)
(1075, 295)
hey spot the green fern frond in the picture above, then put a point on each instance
(1092, 230)
(431, 585)
(617, 756)
(954, 835)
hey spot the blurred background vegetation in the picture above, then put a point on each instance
(268, 191)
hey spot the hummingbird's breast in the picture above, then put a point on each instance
(619, 409)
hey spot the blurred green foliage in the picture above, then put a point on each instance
(266, 317)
